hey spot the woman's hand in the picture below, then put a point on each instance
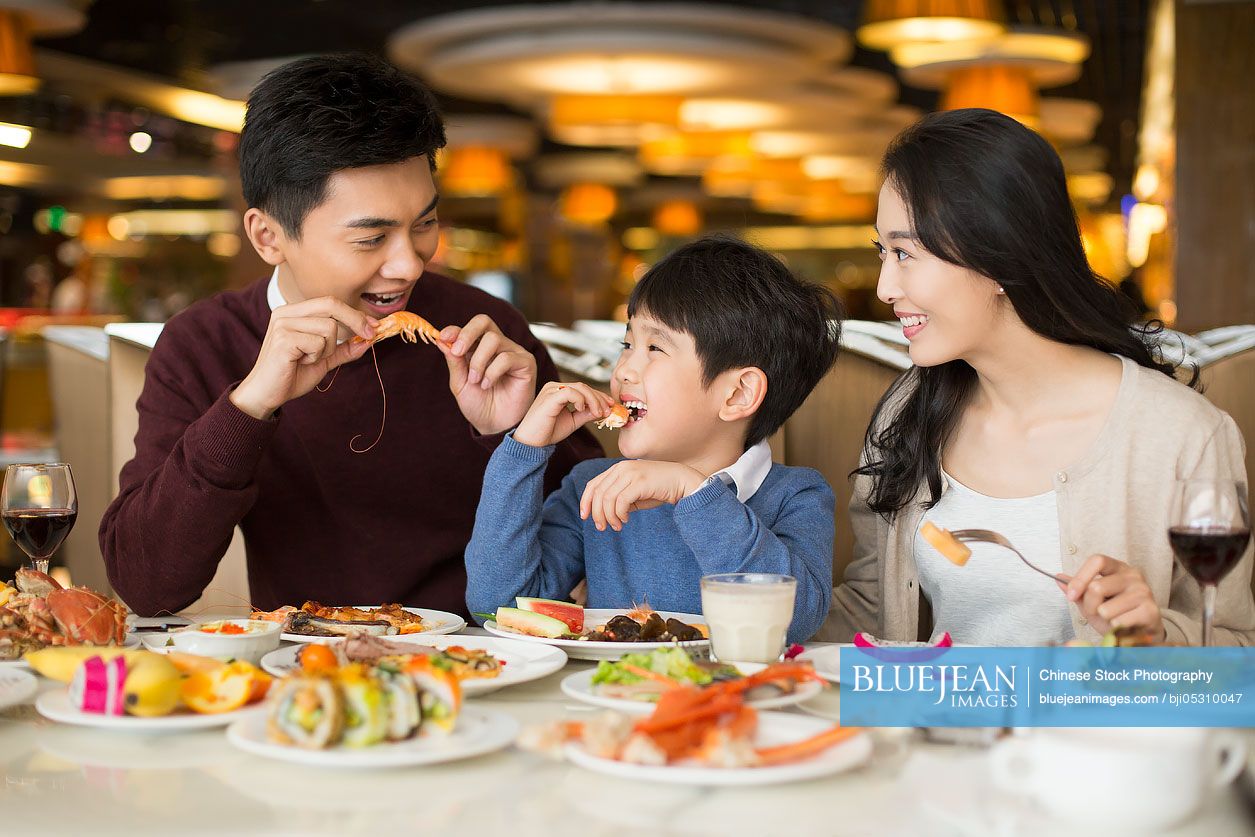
(1113, 594)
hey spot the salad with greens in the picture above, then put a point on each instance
(646, 676)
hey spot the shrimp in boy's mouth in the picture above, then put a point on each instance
(636, 408)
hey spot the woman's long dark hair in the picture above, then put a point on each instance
(988, 194)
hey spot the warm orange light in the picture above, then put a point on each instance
(678, 218)
(17, 61)
(817, 200)
(692, 153)
(889, 23)
(475, 171)
(999, 87)
(735, 177)
(587, 203)
(573, 110)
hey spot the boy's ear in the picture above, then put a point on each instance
(266, 236)
(744, 391)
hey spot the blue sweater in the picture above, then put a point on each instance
(526, 545)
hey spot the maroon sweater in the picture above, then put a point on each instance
(319, 521)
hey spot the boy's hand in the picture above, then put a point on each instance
(492, 377)
(1113, 594)
(559, 410)
(635, 485)
(299, 350)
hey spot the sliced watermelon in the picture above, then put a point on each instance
(532, 624)
(571, 614)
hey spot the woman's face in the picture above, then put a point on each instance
(947, 312)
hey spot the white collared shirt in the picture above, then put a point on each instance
(274, 296)
(747, 473)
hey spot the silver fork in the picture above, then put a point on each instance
(986, 536)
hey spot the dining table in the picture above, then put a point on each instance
(61, 779)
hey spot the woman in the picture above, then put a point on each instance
(1032, 410)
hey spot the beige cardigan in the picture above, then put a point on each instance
(1114, 501)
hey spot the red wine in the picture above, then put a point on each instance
(1208, 554)
(39, 531)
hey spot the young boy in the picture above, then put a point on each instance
(723, 344)
(336, 162)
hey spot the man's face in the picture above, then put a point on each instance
(368, 242)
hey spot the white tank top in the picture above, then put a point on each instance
(994, 599)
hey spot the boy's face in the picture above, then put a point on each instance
(659, 369)
(369, 240)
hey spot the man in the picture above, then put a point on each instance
(336, 162)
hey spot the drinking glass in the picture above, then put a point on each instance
(748, 615)
(1209, 528)
(39, 507)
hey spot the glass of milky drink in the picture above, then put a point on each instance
(748, 615)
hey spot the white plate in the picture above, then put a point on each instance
(477, 732)
(131, 641)
(55, 706)
(580, 686)
(523, 662)
(773, 728)
(16, 687)
(579, 649)
(441, 622)
(826, 660)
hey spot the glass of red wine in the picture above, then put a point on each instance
(1209, 529)
(39, 507)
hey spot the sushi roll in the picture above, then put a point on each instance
(307, 712)
(365, 707)
(440, 693)
(401, 697)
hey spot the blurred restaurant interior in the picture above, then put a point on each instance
(585, 140)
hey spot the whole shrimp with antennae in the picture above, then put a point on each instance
(412, 328)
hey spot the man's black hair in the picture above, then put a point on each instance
(316, 116)
(744, 307)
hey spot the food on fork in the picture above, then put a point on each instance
(945, 543)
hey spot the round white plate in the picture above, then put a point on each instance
(523, 662)
(774, 728)
(55, 706)
(440, 622)
(579, 685)
(826, 660)
(131, 641)
(477, 732)
(580, 649)
(16, 687)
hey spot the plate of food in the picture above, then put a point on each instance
(370, 716)
(37, 612)
(139, 691)
(707, 737)
(483, 664)
(634, 683)
(315, 622)
(598, 633)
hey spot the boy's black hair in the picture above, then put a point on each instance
(744, 307)
(319, 115)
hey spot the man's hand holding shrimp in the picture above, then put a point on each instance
(1113, 594)
(635, 485)
(492, 377)
(559, 410)
(302, 344)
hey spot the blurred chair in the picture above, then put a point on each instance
(129, 347)
(78, 376)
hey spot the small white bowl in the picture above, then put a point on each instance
(261, 638)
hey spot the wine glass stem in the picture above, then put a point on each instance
(1209, 612)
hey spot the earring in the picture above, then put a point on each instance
(1001, 290)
